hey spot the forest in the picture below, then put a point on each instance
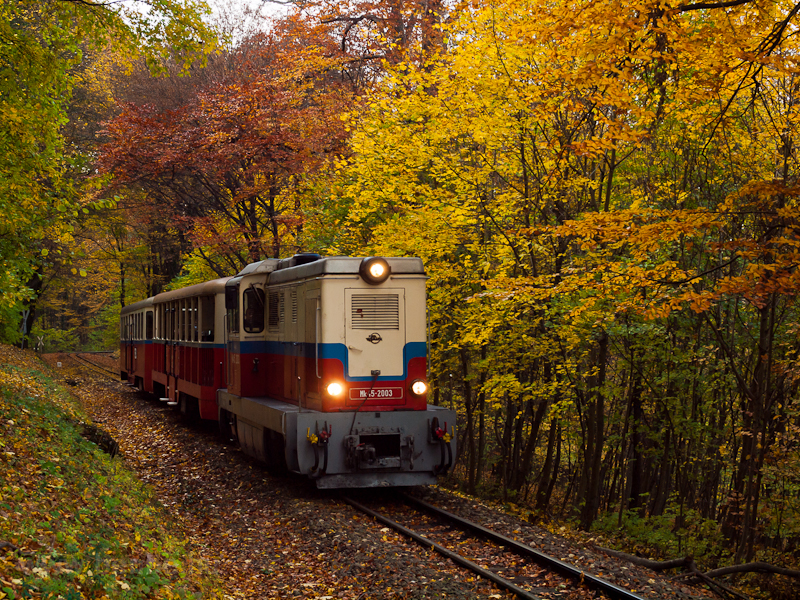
(604, 194)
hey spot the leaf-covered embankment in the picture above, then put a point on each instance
(74, 522)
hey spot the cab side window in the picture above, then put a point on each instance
(253, 301)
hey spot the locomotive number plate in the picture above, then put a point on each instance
(382, 393)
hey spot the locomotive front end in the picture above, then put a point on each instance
(341, 379)
(378, 429)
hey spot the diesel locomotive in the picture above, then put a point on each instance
(315, 365)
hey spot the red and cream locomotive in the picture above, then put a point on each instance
(315, 365)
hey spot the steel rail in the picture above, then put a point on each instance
(541, 558)
(456, 558)
(94, 365)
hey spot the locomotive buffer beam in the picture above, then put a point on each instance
(364, 449)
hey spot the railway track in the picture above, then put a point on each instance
(511, 566)
(93, 365)
(495, 555)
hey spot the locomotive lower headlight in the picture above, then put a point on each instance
(419, 387)
(335, 389)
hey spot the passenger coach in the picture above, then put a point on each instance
(189, 362)
(136, 344)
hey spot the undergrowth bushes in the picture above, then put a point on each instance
(671, 535)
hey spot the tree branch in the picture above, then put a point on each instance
(687, 563)
(711, 5)
(753, 567)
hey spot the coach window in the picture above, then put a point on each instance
(196, 317)
(191, 321)
(253, 304)
(232, 307)
(183, 320)
(187, 320)
(149, 325)
(193, 313)
(207, 318)
(178, 320)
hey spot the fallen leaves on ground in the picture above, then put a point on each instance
(73, 523)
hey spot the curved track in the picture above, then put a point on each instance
(497, 544)
(95, 366)
(569, 572)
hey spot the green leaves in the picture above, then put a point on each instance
(42, 46)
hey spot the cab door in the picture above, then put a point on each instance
(375, 331)
(232, 338)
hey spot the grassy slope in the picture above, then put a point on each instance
(75, 523)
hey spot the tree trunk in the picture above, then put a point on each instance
(549, 469)
(470, 414)
(593, 444)
(755, 419)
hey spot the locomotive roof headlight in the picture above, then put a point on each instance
(418, 387)
(374, 270)
(335, 389)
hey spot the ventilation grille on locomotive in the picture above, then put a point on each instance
(375, 311)
(276, 310)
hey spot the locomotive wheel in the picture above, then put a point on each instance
(274, 445)
(189, 406)
(227, 427)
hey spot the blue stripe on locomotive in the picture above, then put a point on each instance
(326, 351)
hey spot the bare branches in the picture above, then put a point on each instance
(687, 563)
(351, 22)
(92, 3)
(711, 5)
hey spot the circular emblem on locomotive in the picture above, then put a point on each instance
(374, 338)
